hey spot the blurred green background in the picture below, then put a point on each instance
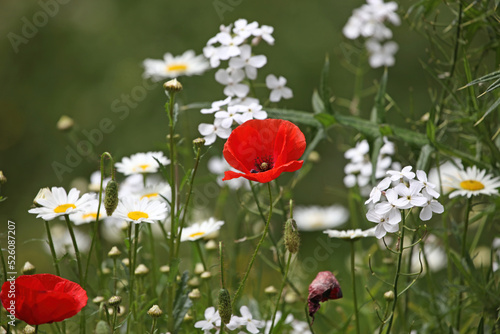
(89, 54)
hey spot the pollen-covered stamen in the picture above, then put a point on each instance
(263, 164)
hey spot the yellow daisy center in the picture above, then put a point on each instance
(90, 215)
(143, 167)
(63, 207)
(197, 234)
(176, 67)
(471, 185)
(136, 215)
(150, 195)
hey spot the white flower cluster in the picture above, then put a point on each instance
(213, 322)
(359, 170)
(401, 191)
(368, 21)
(234, 44)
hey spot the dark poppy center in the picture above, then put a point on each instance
(263, 164)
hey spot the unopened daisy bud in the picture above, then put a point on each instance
(141, 270)
(188, 318)
(65, 123)
(115, 301)
(225, 310)
(199, 268)
(121, 310)
(314, 157)
(292, 237)
(194, 294)
(389, 296)
(198, 142)
(3, 179)
(98, 300)
(111, 197)
(42, 193)
(126, 262)
(290, 297)
(172, 86)
(193, 282)
(106, 271)
(155, 311)
(29, 329)
(114, 252)
(206, 275)
(270, 290)
(211, 245)
(176, 137)
(165, 269)
(28, 269)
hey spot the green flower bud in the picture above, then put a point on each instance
(292, 237)
(389, 296)
(225, 309)
(155, 311)
(111, 197)
(172, 86)
(28, 269)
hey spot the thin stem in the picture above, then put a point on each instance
(153, 326)
(353, 278)
(281, 291)
(242, 283)
(464, 251)
(52, 249)
(153, 259)
(115, 314)
(398, 270)
(36, 329)
(75, 246)
(132, 270)
(200, 253)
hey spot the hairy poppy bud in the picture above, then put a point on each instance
(292, 237)
(225, 309)
(111, 197)
(324, 287)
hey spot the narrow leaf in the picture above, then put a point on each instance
(317, 103)
(424, 157)
(182, 302)
(490, 109)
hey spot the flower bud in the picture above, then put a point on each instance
(141, 270)
(114, 252)
(172, 86)
(193, 282)
(270, 290)
(3, 179)
(165, 269)
(98, 300)
(194, 294)
(106, 271)
(111, 197)
(29, 329)
(115, 301)
(314, 157)
(198, 143)
(199, 269)
(42, 193)
(188, 318)
(206, 275)
(225, 309)
(389, 296)
(211, 245)
(292, 237)
(28, 269)
(65, 123)
(126, 262)
(155, 311)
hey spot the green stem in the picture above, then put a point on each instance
(77, 251)
(115, 314)
(353, 278)
(281, 291)
(132, 270)
(463, 253)
(153, 326)
(52, 249)
(200, 253)
(398, 270)
(266, 228)
(190, 192)
(153, 259)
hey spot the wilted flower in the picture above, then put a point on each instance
(324, 287)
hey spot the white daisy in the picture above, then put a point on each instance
(139, 211)
(351, 234)
(155, 191)
(315, 218)
(278, 89)
(173, 67)
(89, 213)
(95, 182)
(472, 181)
(57, 203)
(446, 170)
(141, 163)
(204, 229)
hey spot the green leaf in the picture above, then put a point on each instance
(325, 119)
(294, 116)
(490, 109)
(492, 87)
(324, 85)
(490, 76)
(102, 327)
(424, 157)
(378, 112)
(182, 302)
(317, 103)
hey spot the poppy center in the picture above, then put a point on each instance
(176, 67)
(136, 215)
(197, 234)
(263, 164)
(472, 185)
(63, 207)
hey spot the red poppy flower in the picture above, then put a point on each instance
(324, 287)
(263, 149)
(42, 298)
